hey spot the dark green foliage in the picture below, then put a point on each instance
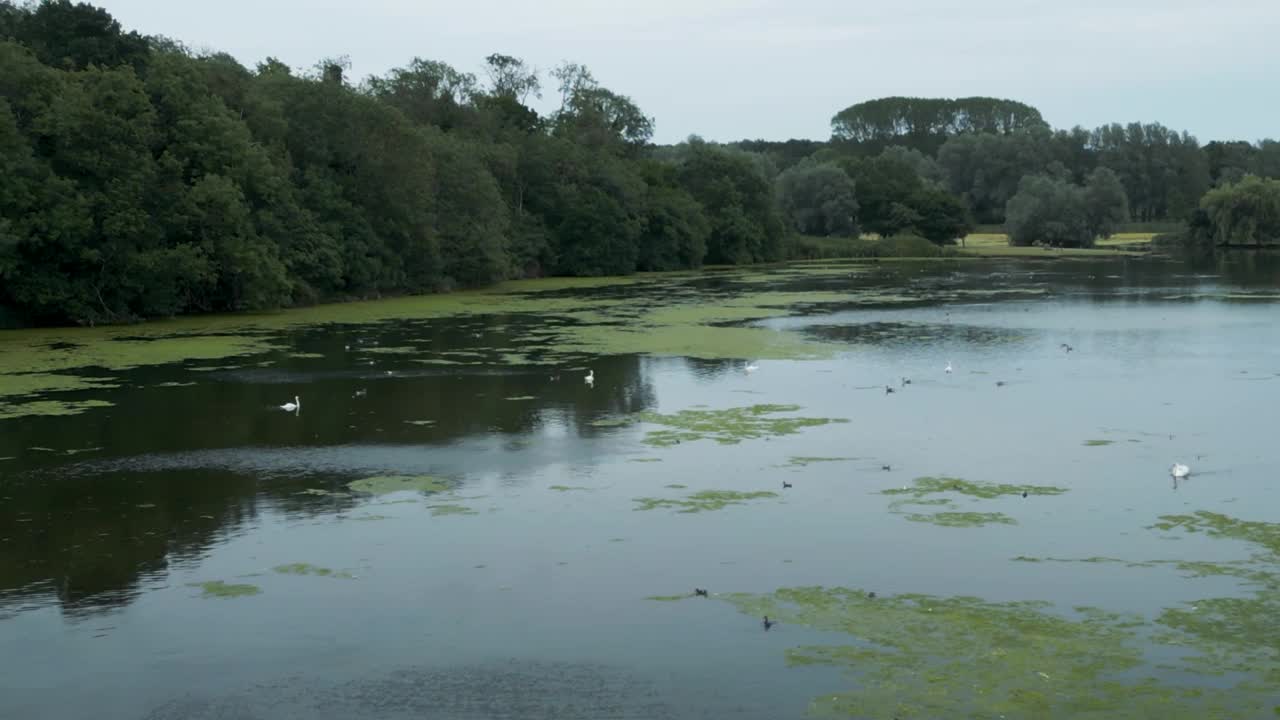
(940, 216)
(73, 36)
(733, 188)
(1243, 213)
(1229, 162)
(1106, 204)
(1164, 173)
(1051, 211)
(898, 192)
(818, 199)
(675, 226)
(924, 123)
(139, 180)
(986, 169)
(784, 154)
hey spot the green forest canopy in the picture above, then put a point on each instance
(139, 179)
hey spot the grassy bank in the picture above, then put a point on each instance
(997, 245)
(982, 244)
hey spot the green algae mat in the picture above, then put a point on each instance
(69, 371)
(915, 655)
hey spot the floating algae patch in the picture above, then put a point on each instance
(566, 488)
(1264, 534)
(384, 484)
(923, 656)
(220, 589)
(404, 350)
(728, 427)
(1098, 443)
(683, 331)
(307, 356)
(50, 408)
(806, 461)
(676, 486)
(930, 485)
(518, 398)
(451, 509)
(1218, 636)
(704, 501)
(420, 423)
(961, 519)
(1230, 634)
(172, 384)
(693, 340)
(645, 460)
(923, 490)
(709, 328)
(119, 348)
(309, 569)
(29, 383)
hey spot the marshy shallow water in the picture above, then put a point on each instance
(455, 525)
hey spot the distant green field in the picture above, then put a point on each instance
(985, 244)
(997, 244)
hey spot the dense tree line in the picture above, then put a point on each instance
(140, 179)
(1243, 213)
(932, 167)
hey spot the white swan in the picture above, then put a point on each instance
(1179, 470)
(948, 368)
(751, 368)
(590, 377)
(292, 406)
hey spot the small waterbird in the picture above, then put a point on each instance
(699, 592)
(785, 484)
(947, 369)
(768, 623)
(751, 368)
(590, 377)
(1179, 470)
(886, 468)
(887, 390)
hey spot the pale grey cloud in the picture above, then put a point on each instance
(729, 69)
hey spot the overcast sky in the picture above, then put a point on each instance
(777, 69)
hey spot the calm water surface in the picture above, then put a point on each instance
(535, 606)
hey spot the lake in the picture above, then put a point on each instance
(454, 524)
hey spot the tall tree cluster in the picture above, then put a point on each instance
(139, 179)
(985, 152)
